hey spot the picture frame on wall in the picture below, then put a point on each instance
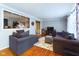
(12, 21)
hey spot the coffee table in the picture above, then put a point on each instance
(48, 39)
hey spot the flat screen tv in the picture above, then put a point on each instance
(50, 28)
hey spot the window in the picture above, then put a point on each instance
(71, 23)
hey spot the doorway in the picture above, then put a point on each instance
(37, 27)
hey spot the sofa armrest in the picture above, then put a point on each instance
(24, 38)
(13, 38)
(13, 42)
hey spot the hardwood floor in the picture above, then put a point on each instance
(40, 35)
(34, 51)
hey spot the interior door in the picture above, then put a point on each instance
(37, 27)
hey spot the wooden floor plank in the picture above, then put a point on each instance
(34, 51)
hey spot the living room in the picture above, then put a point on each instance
(61, 18)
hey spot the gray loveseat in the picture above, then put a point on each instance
(21, 41)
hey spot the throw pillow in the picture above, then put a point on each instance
(24, 34)
(16, 35)
(19, 31)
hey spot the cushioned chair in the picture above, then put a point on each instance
(21, 41)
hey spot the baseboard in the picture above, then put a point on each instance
(3, 48)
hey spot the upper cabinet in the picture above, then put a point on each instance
(12, 20)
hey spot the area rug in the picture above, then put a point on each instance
(41, 43)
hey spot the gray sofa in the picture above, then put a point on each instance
(66, 47)
(21, 41)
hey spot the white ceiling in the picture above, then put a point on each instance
(44, 10)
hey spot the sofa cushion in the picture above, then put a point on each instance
(25, 38)
(16, 35)
(21, 34)
(71, 37)
(19, 31)
(24, 34)
(27, 33)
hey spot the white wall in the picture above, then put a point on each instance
(4, 33)
(71, 23)
(58, 23)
